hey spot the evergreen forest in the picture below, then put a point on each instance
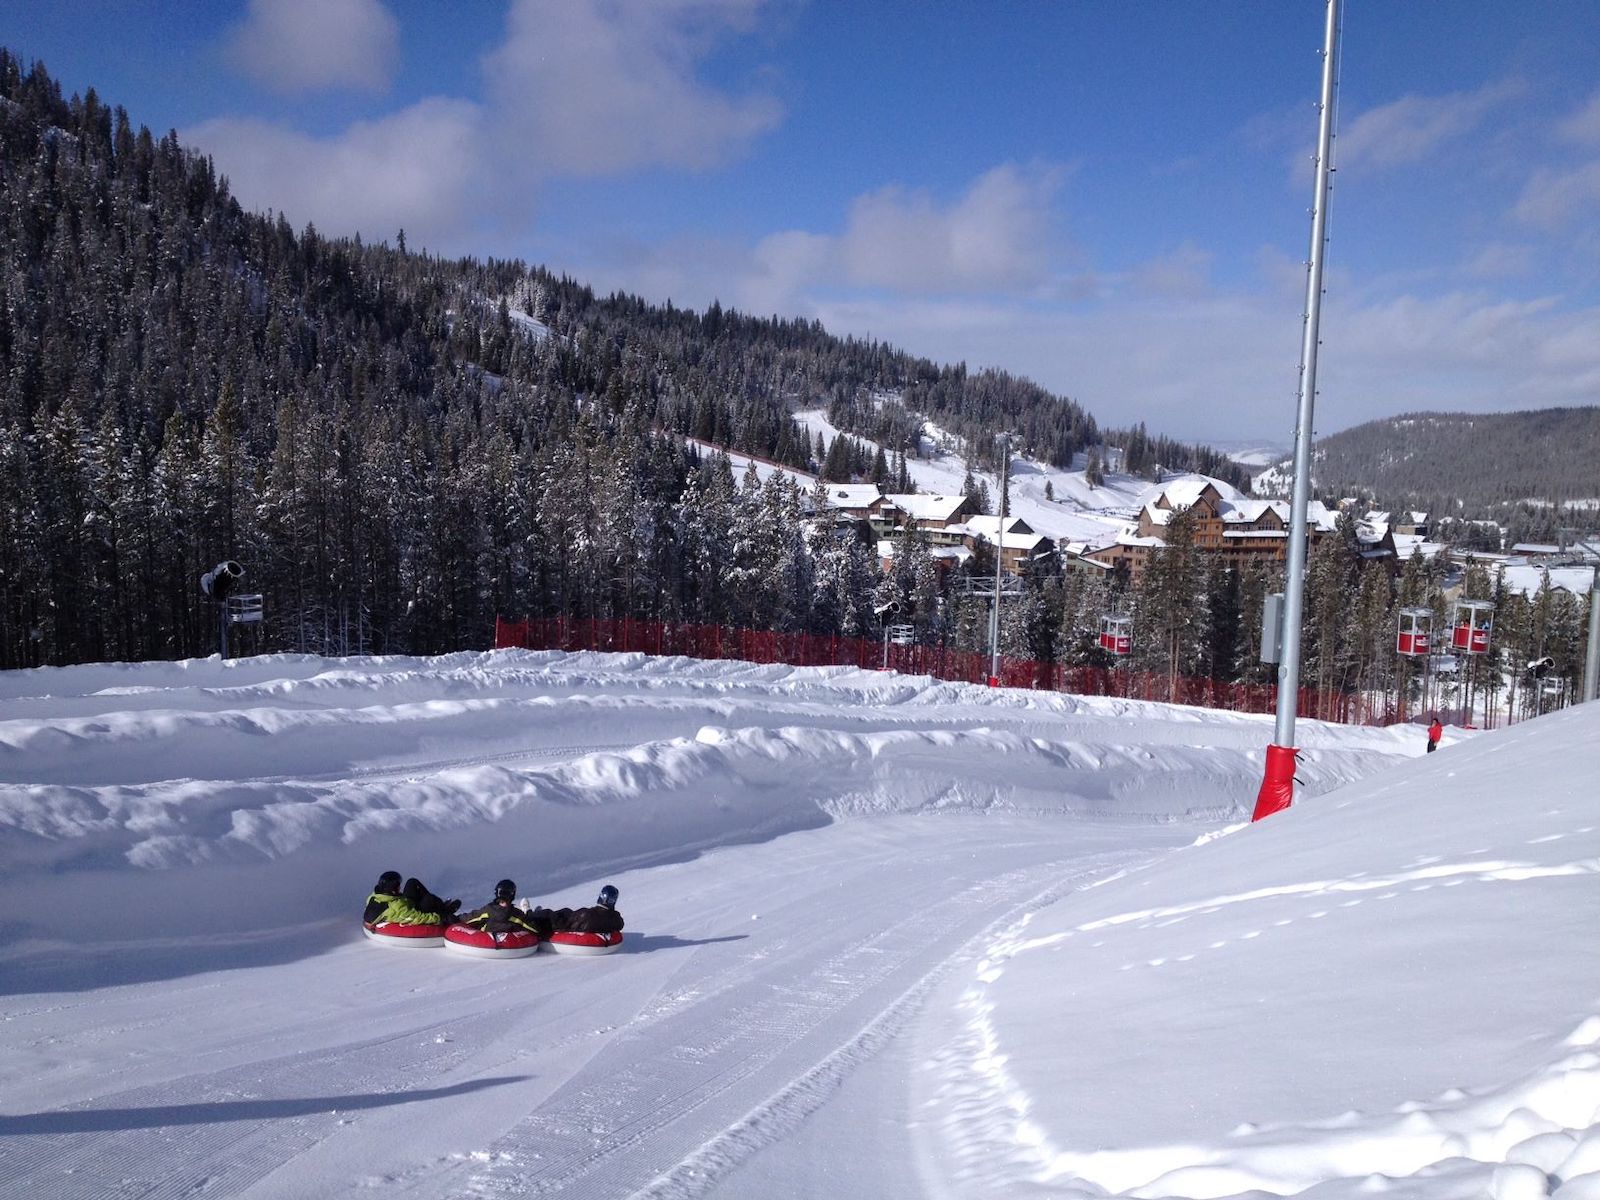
(398, 447)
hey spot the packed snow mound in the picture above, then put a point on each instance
(1389, 988)
(577, 758)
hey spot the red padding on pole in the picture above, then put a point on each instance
(1277, 786)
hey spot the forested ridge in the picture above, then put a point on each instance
(1466, 462)
(395, 445)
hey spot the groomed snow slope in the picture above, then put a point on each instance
(888, 937)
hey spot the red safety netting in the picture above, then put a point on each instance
(627, 635)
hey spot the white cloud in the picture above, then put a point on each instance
(594, 87)
(311, 45)
(579, 88)
(1184, 272)
(1500, 260)
(417, 169)
(999, 234)
(1583, 126)
(1413, 127)
(1554, 199)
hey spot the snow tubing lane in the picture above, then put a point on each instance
(404, 937)
(585, 943)
(480, 943)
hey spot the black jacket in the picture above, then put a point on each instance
(594, 919)
(499, 917)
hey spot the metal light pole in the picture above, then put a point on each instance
(1277, 785)
(999, 558)
(1591, 660)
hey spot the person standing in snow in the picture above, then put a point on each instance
(412, 904)
(500, 915)
(1435, 732)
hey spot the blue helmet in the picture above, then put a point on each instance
(608, 897)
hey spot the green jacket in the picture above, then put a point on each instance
(396, 910)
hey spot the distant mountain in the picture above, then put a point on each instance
(1479, 461)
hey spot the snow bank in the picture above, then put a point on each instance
(1392, 988)
(477, 765)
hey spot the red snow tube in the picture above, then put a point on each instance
(404, 937)
(585, 943)
(480, 943)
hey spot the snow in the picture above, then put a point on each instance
(887, 937)
(1076, 513)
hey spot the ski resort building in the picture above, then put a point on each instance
(1019, 544)
(1233, 526)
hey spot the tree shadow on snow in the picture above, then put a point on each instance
(111, 1120)
(643, 943)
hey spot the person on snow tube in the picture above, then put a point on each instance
(412, 904)
(500, 915)
(600, 917)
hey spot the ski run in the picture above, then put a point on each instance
(886, 937)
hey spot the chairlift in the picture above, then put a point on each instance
(1474, 621)
(1414, 636)
(1116, 635)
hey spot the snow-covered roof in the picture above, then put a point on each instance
(1255, 533)
(926, 508)
(1014, 541)
(985, 524)
(852, 495)
(1525, 579)
(1535, 548)
(1183, 492)
(1322, 518)
(1254, 510)
(1407, 544)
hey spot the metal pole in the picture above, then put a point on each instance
(1591, 662)
(1294, 586)
(999, 558)
(1277, 783)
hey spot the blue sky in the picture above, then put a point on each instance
(1108, 196)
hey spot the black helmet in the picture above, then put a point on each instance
(389, 883)
(608, 897)
(505, 890)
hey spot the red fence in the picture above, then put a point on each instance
(962, 666)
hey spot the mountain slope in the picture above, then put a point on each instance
(1482, 459)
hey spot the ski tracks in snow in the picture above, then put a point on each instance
(766, 1040)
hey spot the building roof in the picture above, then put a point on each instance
(1181, 493)
(926, 508)
(1526, 579)
(984, 525)
(852, 495)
